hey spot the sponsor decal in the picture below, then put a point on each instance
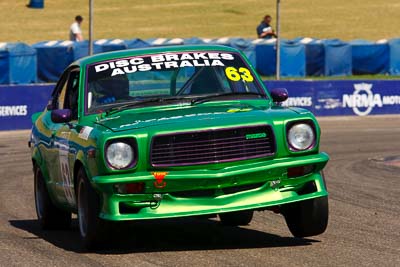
(65, 170)
(275, 184)
(166, 61)
(236, 75)
(364, 100)
(234, 110)
(328, 103)
(85, 132)
(298, 102)
(256, 136)
(159, 176)
(10, 111)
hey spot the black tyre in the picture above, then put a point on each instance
(236, 218)
(308, 217)
(93, 230)
(49, 216)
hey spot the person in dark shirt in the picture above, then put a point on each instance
(264, 30)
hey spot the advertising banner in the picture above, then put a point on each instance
(323, 98)
(345, 97)
(19, 102)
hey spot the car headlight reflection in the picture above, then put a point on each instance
(301, 136)
(120, 155)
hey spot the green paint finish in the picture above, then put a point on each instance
(60, 149)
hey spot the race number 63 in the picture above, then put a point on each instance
(236, 75)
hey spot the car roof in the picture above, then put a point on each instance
(151, 50)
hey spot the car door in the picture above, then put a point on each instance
(49, 129)
(64, 151)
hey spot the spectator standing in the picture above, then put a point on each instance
(264, 30)
(75, 32)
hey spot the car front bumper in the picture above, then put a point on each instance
(265, 184)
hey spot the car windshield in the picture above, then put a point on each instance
(159, 78)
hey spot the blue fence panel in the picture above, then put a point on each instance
(369, 57)
(164, 41)
(244, 45)
(266, 59)
(292, 59)
(337, 58)
(108, 45)
(4, 67)
(53, 57)
(136, 43)
(193, 41)
(81, 49)
(18, 63)
(19, 102)
(315, 56)
(394, 61)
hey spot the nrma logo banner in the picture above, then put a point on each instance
(333, 98)
(364, 100)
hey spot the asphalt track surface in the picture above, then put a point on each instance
(364, 226)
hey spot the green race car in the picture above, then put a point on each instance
(170, 132)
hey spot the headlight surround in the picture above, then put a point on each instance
(301, 136)
(120, 154)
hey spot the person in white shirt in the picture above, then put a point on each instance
(75, 32)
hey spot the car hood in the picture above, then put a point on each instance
(189, 116)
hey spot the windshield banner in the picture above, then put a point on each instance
(162, 62)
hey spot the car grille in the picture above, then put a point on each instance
(212, 146)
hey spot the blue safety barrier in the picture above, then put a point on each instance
(165, 41)
(245, 45)
(337, 58)
(315, 56)
(369, 57)
(194, 41)
(136, 43)
(300, 57)
(394, 62)
(53, 57)
(293, 59)
(108, 45)
(17, 63)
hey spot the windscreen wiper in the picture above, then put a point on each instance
(207, 98)
(114, 110)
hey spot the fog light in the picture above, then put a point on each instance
(299, 171)
(131, 188)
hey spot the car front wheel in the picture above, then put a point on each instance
(308, 217)
(92, 228)
(49, 216)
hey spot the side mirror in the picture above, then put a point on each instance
(279, 94)
(50, 105)
(61, 115)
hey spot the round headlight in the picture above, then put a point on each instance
(119, 155)
(301, 136)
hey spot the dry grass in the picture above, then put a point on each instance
(126, 19)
